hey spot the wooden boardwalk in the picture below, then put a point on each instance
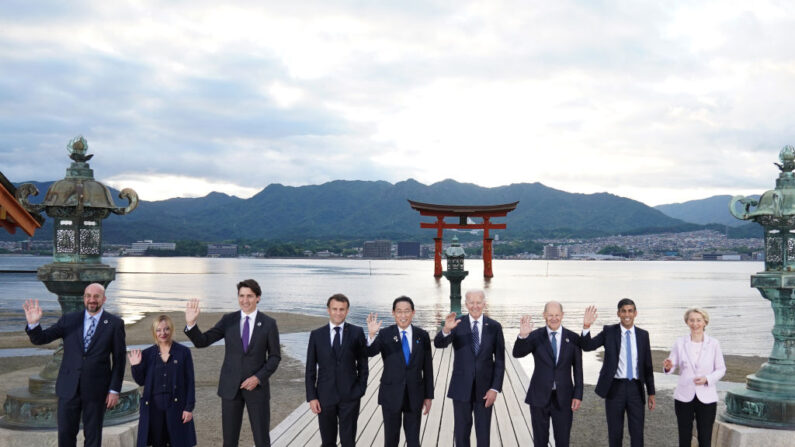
(510, 423)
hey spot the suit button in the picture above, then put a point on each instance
(146, 402)
(84, 357)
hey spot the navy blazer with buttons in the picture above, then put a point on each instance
(484, 371)
(98, 370)
(261, 359)
(610, 338)
(397, 377)
(333, 379)
(182, 394)
(546, 371)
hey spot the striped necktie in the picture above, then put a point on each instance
(90, 333)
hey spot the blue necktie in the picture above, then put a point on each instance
(245, 335)
(406, 350)
(629, 357)
(554, 347)
(335, 346)
(89, 334)
(475, 338)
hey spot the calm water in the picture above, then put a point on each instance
(740, 318)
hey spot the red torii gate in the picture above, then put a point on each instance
(463, 212)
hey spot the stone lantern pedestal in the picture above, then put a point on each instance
(768, 400)
(455, 273)
(78, 204)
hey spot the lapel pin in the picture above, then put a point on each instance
(259, 323)
(395, 338)
(567, 340)
(417, 341)
(175, 361)
(106, 321)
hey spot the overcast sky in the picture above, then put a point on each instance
(656, 101)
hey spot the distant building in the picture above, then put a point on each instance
(555, 252)
(222, 250)
(408, 249)
(377, 249)
(139, 248)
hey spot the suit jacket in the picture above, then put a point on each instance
(396, 377)
(261, 360)
(546, 372)
(610, 338)
(94, 372)
(182, 394)
(709, 364)
(333, 379)
(484, 371)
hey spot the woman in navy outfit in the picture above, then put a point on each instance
(165, 370)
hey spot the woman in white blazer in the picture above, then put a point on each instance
(701, 366)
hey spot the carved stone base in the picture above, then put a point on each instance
(725, 434)
(758, 409)
(123, 435)
(25, 411)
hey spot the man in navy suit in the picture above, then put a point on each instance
(92, 368)
(478, 368)
(251, 356)
(407, 378)
(626, 369)
(336, 374)
(558, 360)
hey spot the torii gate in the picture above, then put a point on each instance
(463, 212)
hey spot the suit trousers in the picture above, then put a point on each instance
(344, 414)
(561, 422)
(705, 418)
(462, 417)
(625, 396)
(259, 415)
(69, 412)
(411, 424)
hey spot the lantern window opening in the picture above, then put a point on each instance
(66, 223)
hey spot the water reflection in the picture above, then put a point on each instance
(740, 318)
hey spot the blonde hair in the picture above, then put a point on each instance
(700, 311)
(169, 323)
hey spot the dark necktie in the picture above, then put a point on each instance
(335, 346)
(90, 333)
(475, 338)
(245, 335)
(406, 349)
(629, 357)
(554, 342)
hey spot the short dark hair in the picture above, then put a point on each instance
(402, 298)
(626, 302)
(251, 284)
(338, 297)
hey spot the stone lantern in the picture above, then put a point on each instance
(768, 399)
(455, 271)
(78, 204)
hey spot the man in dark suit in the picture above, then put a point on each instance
(478, 368)
(92, 367)
(626, 369)
(407, 378)
(558, 359)
(336, 374)
(251, 356)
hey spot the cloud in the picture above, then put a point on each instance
(653, 101)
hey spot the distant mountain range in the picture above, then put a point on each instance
(712, 210)
(378, 209)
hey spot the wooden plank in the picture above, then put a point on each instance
(510, 418)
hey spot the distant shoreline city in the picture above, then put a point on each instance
(707, 245)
